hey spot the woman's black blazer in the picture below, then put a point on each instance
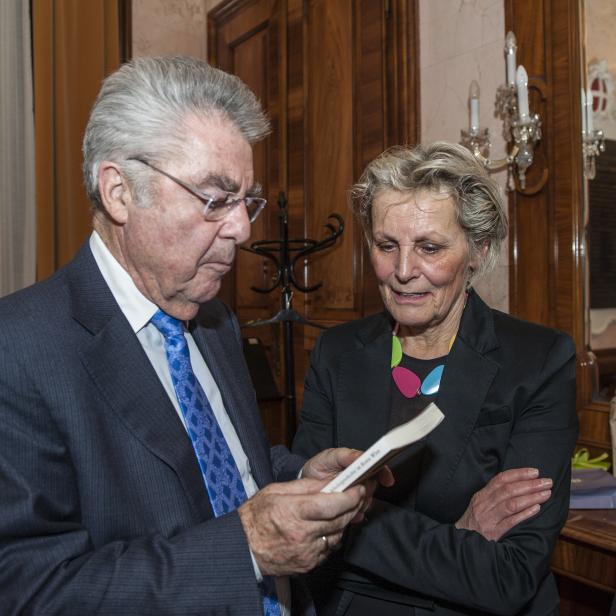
(508, 395)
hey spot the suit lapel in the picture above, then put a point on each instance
(122, 372)
(230, 374)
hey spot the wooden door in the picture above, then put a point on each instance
(339, 81)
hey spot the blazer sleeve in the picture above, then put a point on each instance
(49, 563)
(435, 559)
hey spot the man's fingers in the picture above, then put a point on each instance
(329, 462)
(297, 486)
(330, 506)
(344, 456)
(386, 477)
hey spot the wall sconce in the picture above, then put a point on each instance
(593, 141)
(521, 129)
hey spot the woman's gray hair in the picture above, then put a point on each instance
(141, 109)
(448, 169)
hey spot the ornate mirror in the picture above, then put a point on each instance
(598, 107)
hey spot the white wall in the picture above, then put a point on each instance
(462, 40)
(600, 29)
(170, 27)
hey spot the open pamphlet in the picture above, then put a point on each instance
(371, 461)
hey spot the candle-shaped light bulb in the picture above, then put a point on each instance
(584, 115)
(473, 101)
(589, 114)
(511, 47)
(521, 82)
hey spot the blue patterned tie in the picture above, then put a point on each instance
(220, 473)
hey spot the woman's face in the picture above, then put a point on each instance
(420, 256)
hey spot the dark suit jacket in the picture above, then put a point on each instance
(508, 395)
(103, 509)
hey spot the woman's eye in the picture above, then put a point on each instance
(386, 246)
(430, 248)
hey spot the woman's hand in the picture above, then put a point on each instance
(508, 499)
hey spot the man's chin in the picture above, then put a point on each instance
(205, 294)
(185, 306)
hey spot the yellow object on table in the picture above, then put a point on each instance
(581, 459)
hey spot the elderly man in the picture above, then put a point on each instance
(132, 452)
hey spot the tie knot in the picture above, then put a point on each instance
(167, 325)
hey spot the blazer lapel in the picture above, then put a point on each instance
(122, 372)
(466, 381)
(364, 403)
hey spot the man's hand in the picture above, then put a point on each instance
(508, 499)
(291, 527)
(329, 462)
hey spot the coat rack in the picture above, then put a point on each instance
(285, 253)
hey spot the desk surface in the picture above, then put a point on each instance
(593, 526)
(586, 550)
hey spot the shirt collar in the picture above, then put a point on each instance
(137, 308)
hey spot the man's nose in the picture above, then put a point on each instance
(236, 224)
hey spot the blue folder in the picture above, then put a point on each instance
(592, 488)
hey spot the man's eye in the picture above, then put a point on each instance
(219, 204)
(386, 246)
(430, 248)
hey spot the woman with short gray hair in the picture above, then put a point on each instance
(443, 168)
(471, 523)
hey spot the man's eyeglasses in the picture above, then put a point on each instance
(215, 209)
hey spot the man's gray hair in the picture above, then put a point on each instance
(444, 168)
(141, 109)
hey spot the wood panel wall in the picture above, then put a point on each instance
(339, 81)
(75, 45)
(548, 267)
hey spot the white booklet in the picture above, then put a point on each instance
(385, 448)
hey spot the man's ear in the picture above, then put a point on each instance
(114, 191)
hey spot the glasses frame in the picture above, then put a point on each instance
(225, 206)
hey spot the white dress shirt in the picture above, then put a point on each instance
(138, 310)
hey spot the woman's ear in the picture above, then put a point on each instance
(479, 256)
(114, 191)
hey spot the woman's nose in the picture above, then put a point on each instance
(406, 267)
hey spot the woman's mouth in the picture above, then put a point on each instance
(408, 296)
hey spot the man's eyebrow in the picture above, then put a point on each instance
(222, 182)
(228, 185)
(255, 190)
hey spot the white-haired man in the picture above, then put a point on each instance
(132, 450)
